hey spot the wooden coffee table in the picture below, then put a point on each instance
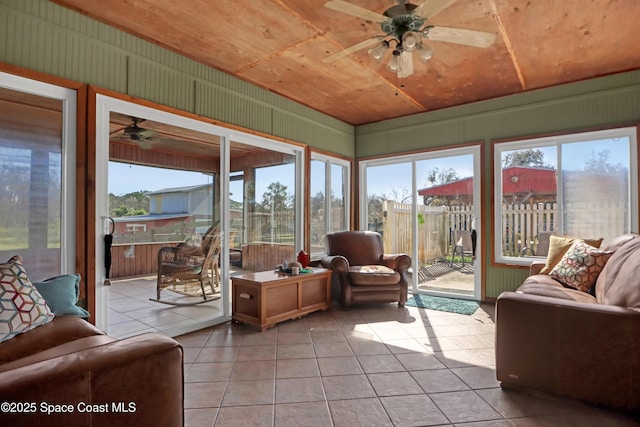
(268, 297)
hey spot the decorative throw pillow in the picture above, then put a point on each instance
(61, 294)
(558, 246)
(580, 266)
(22, 308)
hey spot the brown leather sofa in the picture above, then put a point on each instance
(362, 272)
(573, 343)
(68, 373)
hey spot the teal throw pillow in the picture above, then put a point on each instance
(61, 294)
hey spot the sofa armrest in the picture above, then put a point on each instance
(398, 262)
(580, 350)
(336, 263)
(535, 267)
(134, 381)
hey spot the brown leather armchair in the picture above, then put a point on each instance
(362, 272)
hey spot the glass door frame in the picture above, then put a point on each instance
(476, 151)
(104, 105)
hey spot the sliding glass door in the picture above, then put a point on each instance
(426, 205)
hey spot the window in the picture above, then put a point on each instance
(582, 185)
(329, 176)
(37, 175)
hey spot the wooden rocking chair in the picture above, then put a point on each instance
(184, 264)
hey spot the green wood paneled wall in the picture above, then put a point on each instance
(45, 37)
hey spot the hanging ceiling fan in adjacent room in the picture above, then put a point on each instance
(405, 31)
(135, 133)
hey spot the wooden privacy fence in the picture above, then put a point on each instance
(521, 225)
(434, 228)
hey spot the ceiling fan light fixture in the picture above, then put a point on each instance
(411, 41)
(378, 51)
(392, 65)
(425, 52)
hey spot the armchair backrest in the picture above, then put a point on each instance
(359, 247)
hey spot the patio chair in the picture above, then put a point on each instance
(542, 247)
(462, 244)
(185, 264)
(362, 271)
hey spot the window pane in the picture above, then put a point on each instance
(595, 188)
(31, 181)
(338, 194)
(318, 204)
(529, 198)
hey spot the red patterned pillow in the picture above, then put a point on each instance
(580, 266)
(21, 306)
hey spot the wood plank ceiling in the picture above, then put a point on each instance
(279, 45)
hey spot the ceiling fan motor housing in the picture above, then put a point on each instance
(402, 20)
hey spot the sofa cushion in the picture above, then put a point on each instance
(558, 246)
(22, 308)
(619, 282)
(373, 275)
(63, 349)
(580, 266)
(543, 285)
(61, 294)
(61, 330)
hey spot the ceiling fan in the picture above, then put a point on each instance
(135, 133)
(405, 30)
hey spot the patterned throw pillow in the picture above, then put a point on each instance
(21, 306)
(580, 266)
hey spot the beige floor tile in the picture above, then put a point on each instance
(514, 404)
(332, 349)
(347, 387)
(368, 348)
(419, 361)
(295, 351)
(244, 416)
(297, 368)
(268, 337)
(200, 417)
(381, 363)
(415, 410)
(257, 352)
(464, 406)
(294, 337)
(224, 340)
(252, 392)
(409, 345)
(217, 354)
(307, 414)
(346, 365)
(438, 380)
(254, 370)
(394, 384)
(290, 390)
(359, 413)
(327, 337)
(204, 395)
(211, 371)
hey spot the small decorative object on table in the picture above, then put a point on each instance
(303, 258)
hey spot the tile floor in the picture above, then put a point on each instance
(369, 366)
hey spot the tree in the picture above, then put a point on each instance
(528, 158)
(277, 198)
(436, 176)
(136, 203)
(599, 162)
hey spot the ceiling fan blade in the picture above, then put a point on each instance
(430, 8)
(461, 36)
(357, 11)
(143, 143)
(351, 49)
(405, 64)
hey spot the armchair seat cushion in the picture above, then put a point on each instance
(373, 275)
